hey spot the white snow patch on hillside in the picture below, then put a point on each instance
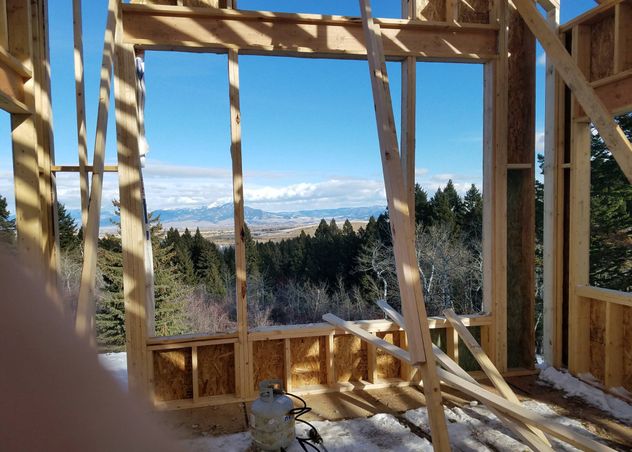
(574, 387)
(116, 363)
(377, 433)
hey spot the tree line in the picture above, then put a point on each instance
(338, 269)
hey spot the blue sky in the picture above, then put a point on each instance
(309, 135)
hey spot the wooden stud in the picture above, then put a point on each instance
(371, 361)
(329, 359)
(607, 295)
(194, 373)
(403, 239)
(495, 195)
(238, 201)
(486, 364)
(452, 341)
(552, 248)
(76, 169)
(305, 35)
(408, 115)
(85, 321)
(82, 140)
(4, 29)
(614, 363)
(622, 37)
(132, 213)
(287, 366)
(24, 144)
(611, 133)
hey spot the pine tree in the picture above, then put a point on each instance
(68, 237)
(423, 210)
(110, 317)
(7, 226)
(472, 214)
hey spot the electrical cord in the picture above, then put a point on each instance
(313, 435)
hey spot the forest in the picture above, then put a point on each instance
(337, 269)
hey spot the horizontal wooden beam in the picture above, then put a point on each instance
(75, 168)
(306, 35)
(607, 295)
(12, 81)
(615, 92)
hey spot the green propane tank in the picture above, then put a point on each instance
(271, 423)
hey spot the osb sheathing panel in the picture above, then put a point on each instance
(350, 358)
(173, 378)
(473, 11)
(268, 361)
(434, 10)
(597, 338)
(627, 350)
(216, 370)
(602, 48)
(307, 356)
(387, 366)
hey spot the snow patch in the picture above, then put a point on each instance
(116, 364)
(573, 387)
(377, 433)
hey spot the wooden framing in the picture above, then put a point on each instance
(307, 35)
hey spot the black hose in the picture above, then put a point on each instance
(313, 435)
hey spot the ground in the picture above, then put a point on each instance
(395, 419)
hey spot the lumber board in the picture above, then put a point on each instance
(80, 100)
(304, 35)
(607, 295)
(615, 92)
(420, 344)
(238, 206)
(614, 346)
(450, 364)
(486, 364)
(86, 307)
(76, 169)
(552, 249)
(12, 96)
(611, 133)
(523, 414)
(132, 213)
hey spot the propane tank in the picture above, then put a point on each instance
(271, 423)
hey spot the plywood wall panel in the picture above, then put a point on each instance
(268, 361)
(474, 11)
(602, 48)
(388, 366)
(350, 358)
(216, 370)
(308, 361)
(173, 378)
(597, 338)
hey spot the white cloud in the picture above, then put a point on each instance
(541, 60)
(539, 142)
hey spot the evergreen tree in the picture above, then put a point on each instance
(423, 209)
(7, 226)
(472, 214)
(110, 317)
(68, 237)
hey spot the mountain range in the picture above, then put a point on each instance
(221, 217)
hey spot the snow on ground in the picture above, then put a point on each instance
(116, 363)
(377, 433)
(573, 387)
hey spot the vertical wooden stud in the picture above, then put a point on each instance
(132, 213)
(194, 373)
(622, 37)
(238, 201)
(452, 341)
(4, 29)
(371, 361)
(329, 359)
(408, 115)
(287, 367)
(614, 339)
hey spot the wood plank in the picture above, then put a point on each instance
(238, 207)
(132, 213)
(611, 133)
(76, 168)
(305, 35)
(287, 366)
(194, 373)
(614, 347)
(4, 29)
(85, 325)
(607, 295)
(523, 414)
(329, 359)
(12, 96)
(486, 364)
(622, 37)
(552, 248)
(495, 104)
(420, 343)
(615, 92)
(82, 139)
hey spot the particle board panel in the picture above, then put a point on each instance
(308, 361)
(597, 338)
(388, 366)
(216, 370)
(350, 358)
(602, 49)
(627, 351)
(433, 10)
(473, 11)
(268, 361)
(173, 379)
